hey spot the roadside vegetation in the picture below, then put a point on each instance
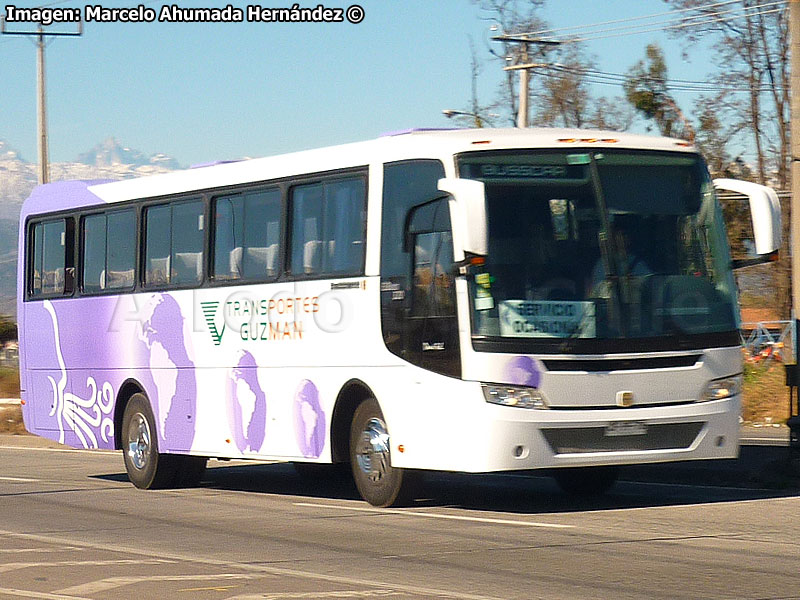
(765, 399)
(10, 416)
(9, 383)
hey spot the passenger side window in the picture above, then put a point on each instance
(52, 270)
(247, 236)
(174, 240)
(109, 251)
(328, 228)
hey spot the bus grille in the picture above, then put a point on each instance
(670, 436)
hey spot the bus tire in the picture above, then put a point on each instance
(378, 482)
(147, 469)
(586, 481)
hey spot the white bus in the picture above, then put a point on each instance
(468, 300)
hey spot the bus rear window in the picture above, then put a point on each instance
(51, 270)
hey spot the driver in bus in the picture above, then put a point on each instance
(629, 261)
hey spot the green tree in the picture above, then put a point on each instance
(646, 89)
(8, 329)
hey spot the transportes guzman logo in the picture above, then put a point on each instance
(210, 313)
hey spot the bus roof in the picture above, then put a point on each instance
(404, 145)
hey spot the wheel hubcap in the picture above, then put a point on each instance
(373, 450)
(139, 441)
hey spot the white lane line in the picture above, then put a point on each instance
(64, 450)
(38, 595)
(429, 515)
(281, 571)
(15, 566)
(19, 479)
(315, 595)
(50, 550)
(103, 585)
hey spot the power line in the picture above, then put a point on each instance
(618, 79)
(626, 20)
(676, 26)
(653, 26)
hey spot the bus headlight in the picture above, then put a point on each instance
(719, 389)
(510, 395)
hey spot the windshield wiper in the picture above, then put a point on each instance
(608, 247)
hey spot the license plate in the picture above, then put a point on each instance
(625, 428)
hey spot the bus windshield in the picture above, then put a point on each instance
(611, 245)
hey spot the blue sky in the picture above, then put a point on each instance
(202, 92)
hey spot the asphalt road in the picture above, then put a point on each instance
(72, 527)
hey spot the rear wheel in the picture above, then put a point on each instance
(586, 481)
(147, 469)
(378, 482)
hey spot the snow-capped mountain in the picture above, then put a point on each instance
(18, 177)
(111, 153)
(108, 160)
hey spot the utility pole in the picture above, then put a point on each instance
(794, 33)
(41, 112)
(41, 104)
(524, 67)
(524, 90)
(794, 378)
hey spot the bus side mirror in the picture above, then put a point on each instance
(467, 215)
(765, 214)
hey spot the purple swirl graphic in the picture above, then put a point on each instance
(523, 370)
(247, 404)
(309, 420)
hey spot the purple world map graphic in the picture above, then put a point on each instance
(309, 420)
(246, 404)
(523, 370)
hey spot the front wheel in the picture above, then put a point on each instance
(378, 482)
(147, 469)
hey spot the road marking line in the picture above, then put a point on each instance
(102, 452)
(15, 566)
(38, 595)
(38, 550)
(281, 571)
(19, 479)
(103, 585)
(429, 515)
(313, 595)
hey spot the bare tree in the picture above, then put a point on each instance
(477, 114)
(750, 40)
(511, 17)
(614, 114)
(563, 97)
